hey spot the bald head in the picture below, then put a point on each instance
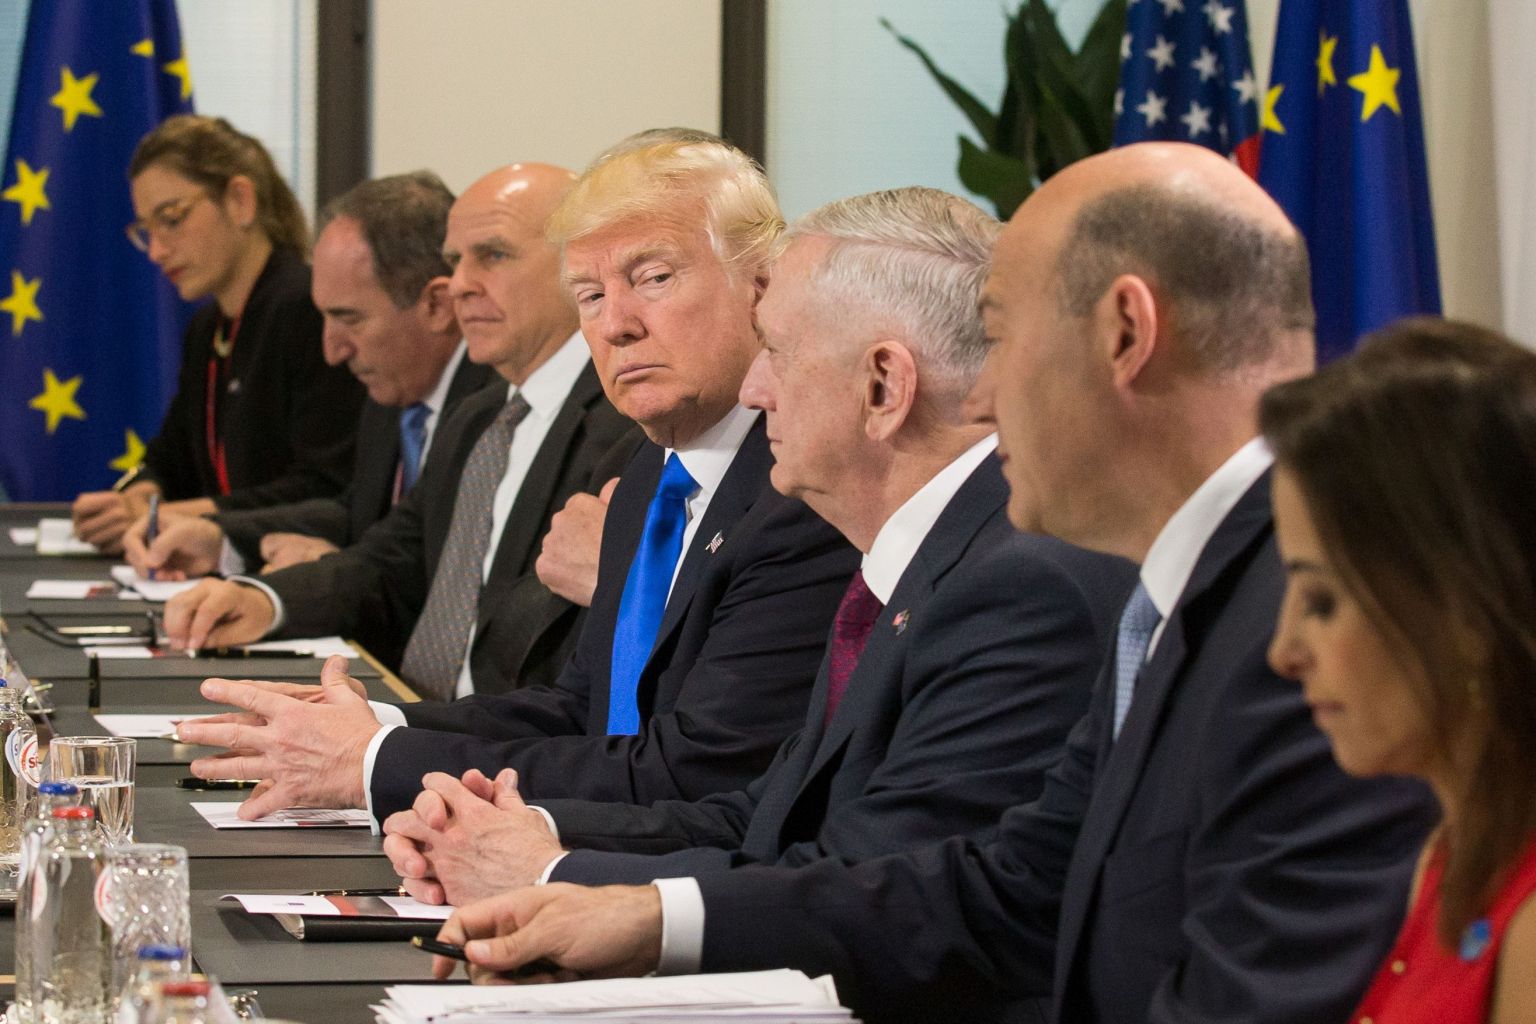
(1229, 270)
(506, 276)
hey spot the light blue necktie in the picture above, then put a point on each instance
(645, 594)
(413, 438)
(1137, 624)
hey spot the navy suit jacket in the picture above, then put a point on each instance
(374, 590)
(973, 675)
(727, 680)
(371, 492)
(1214, 864)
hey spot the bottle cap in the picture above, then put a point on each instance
(58, 789)
(184, 988)
(74, 813)
(161, 952)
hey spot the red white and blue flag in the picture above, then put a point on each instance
(1186, 74)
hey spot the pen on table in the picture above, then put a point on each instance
(396, 891)
(153, 529)
(245, 652)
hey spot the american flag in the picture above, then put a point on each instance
(1186, 74)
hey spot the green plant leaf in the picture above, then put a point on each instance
(1056, 70)
(1098, 66)
(1002, 179)
(982, 119)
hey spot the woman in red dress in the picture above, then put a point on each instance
(1405, 507)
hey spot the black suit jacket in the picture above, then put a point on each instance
(371, 492)
(1213, 865)
(727, 681)
(375, 589)
(287, 418)
(983, 659)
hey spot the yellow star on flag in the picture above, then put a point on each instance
(1326, 44)
(133, 453)
(143, 48)
(22, 302)
(183, 71)
(1269, 121)
(28, 191)
(74, 97)
(1378, 84)
(58, 400)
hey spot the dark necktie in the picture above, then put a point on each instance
(645, 594)
(436, 650)
(413, 438)
(1138, 621)
(855, 618)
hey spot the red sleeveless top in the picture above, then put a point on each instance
(1422, 982)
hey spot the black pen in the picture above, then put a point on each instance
(447, 949)
(396, 891)
(198, 785)
(152, 529)
(245, 652)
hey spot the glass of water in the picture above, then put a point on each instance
(103, 767)
(145, 899)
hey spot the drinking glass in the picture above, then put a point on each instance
(145, 899)
(103, 768)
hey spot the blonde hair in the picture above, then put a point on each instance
(741, 211)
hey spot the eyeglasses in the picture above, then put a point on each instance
(163, 219)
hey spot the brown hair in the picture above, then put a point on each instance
(403, 218)
(1416, 458)
(209, 151)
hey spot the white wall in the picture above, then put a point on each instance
(463, 86)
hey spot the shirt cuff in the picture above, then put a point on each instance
(387, 714)
(549, 819)
(279, 616)
(682, 925)
(231, 562)
(369, 756)
(549, 868)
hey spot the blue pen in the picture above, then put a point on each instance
(153, 529)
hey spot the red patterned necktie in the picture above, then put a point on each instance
(856, 616)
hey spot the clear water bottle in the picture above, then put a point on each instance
(13, 790)
(70, 939)
(184, 1002)
(34, 835)
(23, 755)
(157, 966)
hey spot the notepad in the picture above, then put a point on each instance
(403, 907)
(70, 590)
(24, 536)
(317, 647)
(57, 537)
(767, 996)
(223, 815)
(143, 727)
(149, 590)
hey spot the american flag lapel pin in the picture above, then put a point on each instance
(714, 545)
(899, 623)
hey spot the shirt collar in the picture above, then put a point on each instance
(1171, 559)
(708, 456)
(898, 540)
(439, 394)
(547, 388)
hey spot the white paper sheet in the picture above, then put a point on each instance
(767, 996)
(226, 815)
(57, 537)
(319, 647)
(71, 590)
(323, 906)
(143, 727)
(149, 590)
(24, 536)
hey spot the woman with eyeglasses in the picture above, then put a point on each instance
(258, 417)
(1405, 510)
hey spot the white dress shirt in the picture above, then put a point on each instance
(707, 458)
(682, 905)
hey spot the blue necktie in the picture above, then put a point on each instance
(1137, 624)
(645, 594)
(413, 438)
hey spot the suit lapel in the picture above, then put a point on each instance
(1122, 764)
(525, 522)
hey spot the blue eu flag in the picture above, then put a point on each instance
(90, 333)
(1343, 152)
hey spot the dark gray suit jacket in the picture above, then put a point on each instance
(978, 667)
(1212, 865)
(370, 493)
(374, 590)
(727, 681)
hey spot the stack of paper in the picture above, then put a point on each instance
(149, 590)
(57, 537)
(772, 997)
(226, 815)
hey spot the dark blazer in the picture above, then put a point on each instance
(375, 589)
(983, 659)
(371, 491)
(728, 679)
(1212, 865)
(287, 418)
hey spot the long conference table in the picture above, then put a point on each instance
(333, 982)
